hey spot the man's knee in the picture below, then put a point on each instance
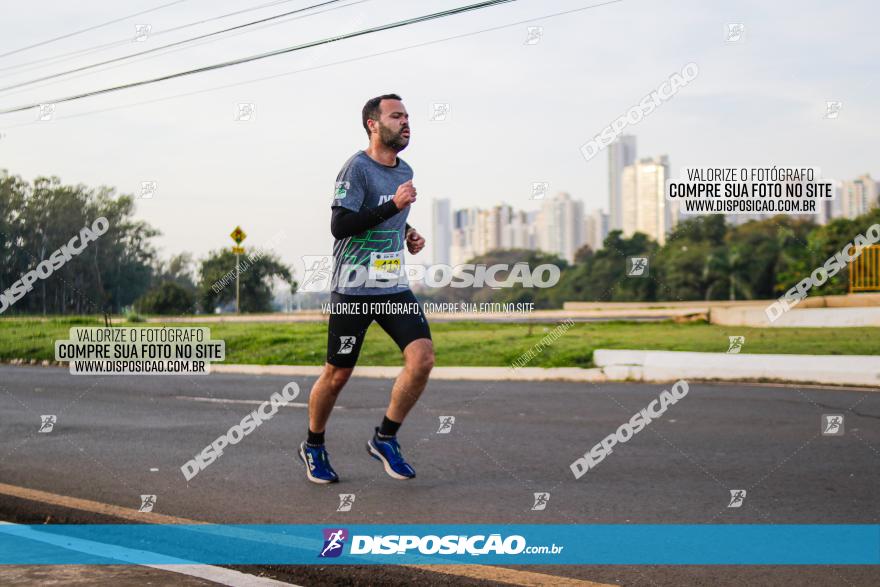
(421, 357)
(336, 377)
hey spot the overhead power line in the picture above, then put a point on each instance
(346, 61)
(193, 45)
(371, 30)
(168, 46)
(127, 41)
(91, 28)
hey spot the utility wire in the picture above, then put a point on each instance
(91, 28)
(194, 45)
(127, 41)
(168, 46)
(319, 67)
(393, 25)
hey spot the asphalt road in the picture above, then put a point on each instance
(509, 440)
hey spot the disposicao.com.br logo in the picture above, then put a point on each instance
(334, 542)
(431, 544)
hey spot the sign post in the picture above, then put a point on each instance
(238, 236)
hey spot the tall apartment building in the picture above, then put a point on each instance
(644, 205)
(476, 231)
(595, 229)
(560, 227)
(621, 153)
(519, 232)
(857, 196)
(464, 227)
(441, 220)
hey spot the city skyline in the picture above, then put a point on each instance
(561, 225)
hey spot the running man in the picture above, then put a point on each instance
(371, 203)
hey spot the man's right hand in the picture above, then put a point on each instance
(406, 195)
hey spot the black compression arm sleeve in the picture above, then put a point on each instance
(345, 222)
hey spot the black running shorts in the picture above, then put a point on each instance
(399, 314)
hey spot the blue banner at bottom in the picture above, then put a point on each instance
(495, 544)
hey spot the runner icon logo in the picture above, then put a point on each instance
(245, 112)
(439, 112)
(318, 272)
(47, 423)
(446, 423)
(147, 503)
(737, 496)
(832, 109)
(346, 345)
(346, 500)
(334, 541)
(533, 35)
(541, 500)
(735, 32)
(637, 266)
(832, 425)
(141, 32)
(47, 111)
(540, 189)
(148, 189)
(736, 344)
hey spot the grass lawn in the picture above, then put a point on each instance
(470, 343)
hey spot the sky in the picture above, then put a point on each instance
(518, 112)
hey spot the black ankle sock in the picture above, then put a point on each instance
(388, 427)
(315, 438)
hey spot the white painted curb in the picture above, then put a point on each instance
(797, 318)
(629, 365)
(672, 365)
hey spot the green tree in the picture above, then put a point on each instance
(772, 245)
(603, 275)
(256, 275)
(727, 270)
(167, 298)
(37, 219)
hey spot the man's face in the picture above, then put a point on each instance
(393, 125)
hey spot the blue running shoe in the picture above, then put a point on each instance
(317, 463)
(387, 451)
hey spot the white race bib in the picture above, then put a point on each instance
(386, 265)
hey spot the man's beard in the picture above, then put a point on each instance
(392, 139)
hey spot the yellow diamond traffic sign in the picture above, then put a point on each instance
(238, 235)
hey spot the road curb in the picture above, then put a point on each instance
(621, 365)
(644, 366)
(439, 373)
(662, 366)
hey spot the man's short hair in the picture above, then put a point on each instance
(372, 110)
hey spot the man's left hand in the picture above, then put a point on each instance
(414, 241)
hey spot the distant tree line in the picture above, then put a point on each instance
(118, 271)
(704, 258)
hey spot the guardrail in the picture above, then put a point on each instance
(864, 271)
